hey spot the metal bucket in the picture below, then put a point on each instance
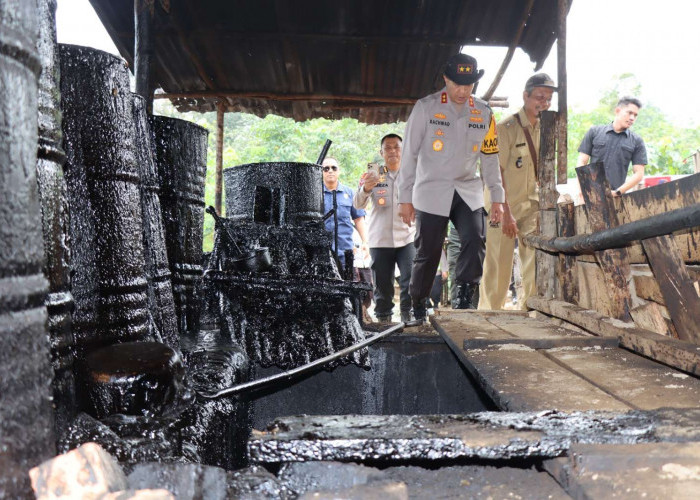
(109, 281)
(275, 193)
(181, 162)
(26, 415)
(160, 289)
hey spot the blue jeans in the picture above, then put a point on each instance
(384, 261)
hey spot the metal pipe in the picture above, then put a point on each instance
(650, 227)
(324, 151)
(286, 375)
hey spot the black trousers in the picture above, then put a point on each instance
(430, 235)
(384, 261)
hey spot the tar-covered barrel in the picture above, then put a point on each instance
(275, 193)
(26, 416)
(181, 162)
(54, 215)
(106, 229)
(160, 290)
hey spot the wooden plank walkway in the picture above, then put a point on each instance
(529, 364)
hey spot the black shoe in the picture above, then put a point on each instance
(467, 296)
(384, 320)
(419, 314)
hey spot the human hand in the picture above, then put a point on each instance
(407, 213)
(496, 213)
(444, 276)
(371, 179)
(510, 226)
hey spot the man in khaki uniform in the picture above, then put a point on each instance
(519, 145)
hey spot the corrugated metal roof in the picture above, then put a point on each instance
(367, 59)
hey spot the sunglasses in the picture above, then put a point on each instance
(331, 167)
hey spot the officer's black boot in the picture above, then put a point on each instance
(420, 313)
(474, 300)
(467, 296)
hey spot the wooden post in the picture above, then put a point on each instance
(143, 51)
(568, 277)
(601, 215)
(220, 110)
(561, 83)
(546, 263)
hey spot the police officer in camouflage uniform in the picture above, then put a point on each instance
(449, 134)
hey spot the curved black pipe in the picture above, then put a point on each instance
(289, 374)
(656, 225)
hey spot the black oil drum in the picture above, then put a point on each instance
(160, 289)
(26, 415)
(274, 193)
(54, 215)
(181, 161)
(102, 175)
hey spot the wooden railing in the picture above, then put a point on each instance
(627, 265)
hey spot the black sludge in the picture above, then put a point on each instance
(54, 214)
(181, 161)
(109, 283)
(217, 429)
(296, 308)
(160, 290)
(26, 417)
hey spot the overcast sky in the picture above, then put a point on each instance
(658, 42)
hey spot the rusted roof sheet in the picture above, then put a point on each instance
(367, 59)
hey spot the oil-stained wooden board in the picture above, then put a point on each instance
(650, 316)
(519, 378)
(639, 382)
(682, 355)
(483, 328)
(677, 286)
(629, 471)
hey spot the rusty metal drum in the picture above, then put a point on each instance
(275, 193)
(102, 175)
(181, 162)
(26, 415)
(160, 289)
(54, 216)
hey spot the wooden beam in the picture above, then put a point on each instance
(545, 263)
(682, 355)
(601, 215)
(568, 275)
(276, 96)
(677, 287)
(219, 174)
(511, 50)
(562, 91)
(143, 51)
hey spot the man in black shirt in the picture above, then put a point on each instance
(616, 146)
